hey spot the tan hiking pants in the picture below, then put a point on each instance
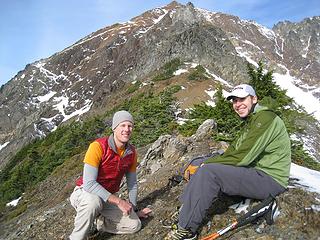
(89, 206)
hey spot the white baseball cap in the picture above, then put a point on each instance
(242, 91)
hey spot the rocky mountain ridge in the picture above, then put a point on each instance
(86, 76)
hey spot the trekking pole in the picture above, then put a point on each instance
(256, 212)
(220, 232)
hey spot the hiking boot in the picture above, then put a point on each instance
(93, 232)
(171, 221)
(272, 213)
(93, 235)
(181, 234)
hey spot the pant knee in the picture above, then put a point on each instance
(125, 226)
(95, 204)
(207, 171)
(92, 203)
(132, 223)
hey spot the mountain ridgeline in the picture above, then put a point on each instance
(158, 65)
(86, 77)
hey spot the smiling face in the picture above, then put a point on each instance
(122, 133)
(243, 106)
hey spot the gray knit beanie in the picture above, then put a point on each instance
(120, 117)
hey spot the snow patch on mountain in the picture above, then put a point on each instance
(3, 145)
(304, 98)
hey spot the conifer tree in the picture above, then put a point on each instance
(227, 121)
(272, 96)
(268, 92)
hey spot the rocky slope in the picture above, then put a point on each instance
(49, 215)
(301, 45)
(87, 76)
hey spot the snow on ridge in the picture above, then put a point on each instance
(14, 202)
(50, 75)
(84, 109)
(305, 178)
(206, 14)
(252, 44)
(184, 70)
(211, 95)
(63, 102)
(180, 71)
(209, 92)
(308, 144)
(51, 125)
(122, 40)
(45, 97)
(310, 103)
(2, 146)
(268, 33)
(306, 49)
(38, 131)
(141, 31)
(246, 55)
(218, 78)
(39, 64)
(158, 11)
(145, 29)
(302, 95)
(279, 49)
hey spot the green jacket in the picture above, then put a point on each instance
(264, 144)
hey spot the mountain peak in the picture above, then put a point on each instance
(84, 77)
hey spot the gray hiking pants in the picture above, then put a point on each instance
(213, 179)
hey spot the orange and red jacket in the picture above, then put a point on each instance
(112, 166)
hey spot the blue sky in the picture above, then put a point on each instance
(31, 30)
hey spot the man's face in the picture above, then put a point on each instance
(122, 132)
(242, 106)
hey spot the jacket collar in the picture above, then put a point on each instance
(258, 108)
(112, 145)
(255, 108)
